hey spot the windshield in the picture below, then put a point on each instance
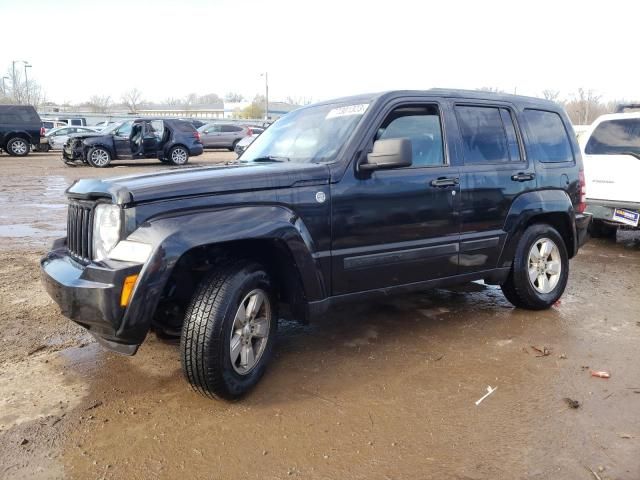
(313, 134)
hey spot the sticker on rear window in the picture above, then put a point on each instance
(348, 110)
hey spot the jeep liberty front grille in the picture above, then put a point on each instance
(80, 230)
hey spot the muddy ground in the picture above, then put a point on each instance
(383, 390)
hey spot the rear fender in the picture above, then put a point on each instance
(530, 207)
(174, 235)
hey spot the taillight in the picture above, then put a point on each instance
(42, 131)
(196, 135)
(250, 131)
(582, 205)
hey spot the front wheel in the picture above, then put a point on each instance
(178, 155)
(18, 147)
(98, 157)
(540, 269)
(229, 330)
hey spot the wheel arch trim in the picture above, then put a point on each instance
(530, 207)
(173, 236)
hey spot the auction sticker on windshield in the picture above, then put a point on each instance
(627, 217)
(348, 110)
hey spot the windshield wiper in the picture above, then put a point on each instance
(270, 158)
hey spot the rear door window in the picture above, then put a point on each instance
(549, 141)
(615, 137)
(484, 137)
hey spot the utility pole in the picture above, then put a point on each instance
(266, 96)
(26, 79)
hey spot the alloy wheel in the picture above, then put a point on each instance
(250, 331)
(544, 265)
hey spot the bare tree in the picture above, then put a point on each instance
(209, 98)
(233, 97)
(20, 91)
(132, 99)
(99, 104)
(298, 100)
(173, 101)
(585, 106)
(552, 95)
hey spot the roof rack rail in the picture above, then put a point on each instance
(621, 107)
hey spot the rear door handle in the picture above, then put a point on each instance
(523, 177)
(444, 182)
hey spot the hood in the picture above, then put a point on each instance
(87, 135)
(198, 181)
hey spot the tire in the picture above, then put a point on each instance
(98, 157)
(178, 155)
(537, 294)
(213, 320)
(18, 147)
(600, 229)
(233, 145)
(45, 147)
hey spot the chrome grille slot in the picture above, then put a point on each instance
(79, 230)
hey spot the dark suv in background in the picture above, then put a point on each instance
(342, 201)
(170, 141)
(20, 129)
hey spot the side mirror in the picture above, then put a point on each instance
(389, 153)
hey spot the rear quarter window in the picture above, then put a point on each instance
(548, 137)
(184, 127)
(615, 137)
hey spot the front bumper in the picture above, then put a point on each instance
(90, 295)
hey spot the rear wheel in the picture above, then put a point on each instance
(98, 157)
(18, 147)
(229, 330)
(178, 155)
(233, 146)
(540, 269)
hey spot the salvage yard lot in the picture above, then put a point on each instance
(379, 390)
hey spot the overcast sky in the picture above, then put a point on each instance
(321, 49)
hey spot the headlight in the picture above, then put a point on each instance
(106, 230)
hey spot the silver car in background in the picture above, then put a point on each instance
(57, 137)
(223, 135)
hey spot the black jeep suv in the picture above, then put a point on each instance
(335, 202)
(171, 141)
(20, 128)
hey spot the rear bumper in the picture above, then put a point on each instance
(90, 296)
(582, 227)
(603, 209)
(196, 150)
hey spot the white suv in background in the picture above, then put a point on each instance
(611, 153)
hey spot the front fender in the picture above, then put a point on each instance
(173, 235)
(525, 208)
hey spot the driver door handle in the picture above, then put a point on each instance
(523, 177)
(444, 182)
